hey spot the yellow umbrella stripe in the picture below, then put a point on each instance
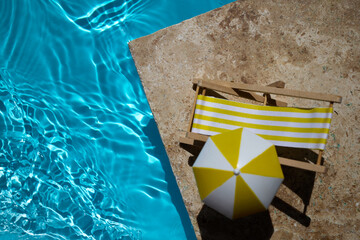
(209, 179)
(266, 164)
(246, 202)
(228, 144)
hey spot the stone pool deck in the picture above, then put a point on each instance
(310, 45)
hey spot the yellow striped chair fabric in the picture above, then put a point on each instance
(283, 126)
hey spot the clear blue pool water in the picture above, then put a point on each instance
(80, 153)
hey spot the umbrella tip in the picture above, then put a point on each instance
(236, 171)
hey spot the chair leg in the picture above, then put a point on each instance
(266, 97)
(203, 92)
(318, 162)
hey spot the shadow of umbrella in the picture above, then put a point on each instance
(215, 226)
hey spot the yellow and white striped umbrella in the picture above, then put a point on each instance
(238, 173)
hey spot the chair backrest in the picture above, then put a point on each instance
(283, 126)
(291, 127)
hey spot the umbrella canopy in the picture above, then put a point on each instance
(238, 173)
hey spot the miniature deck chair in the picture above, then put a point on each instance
(283, 126)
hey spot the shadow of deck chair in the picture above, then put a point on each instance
(283, 126)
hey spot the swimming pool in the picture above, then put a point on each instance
(81, 156)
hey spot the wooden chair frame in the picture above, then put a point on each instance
(250, 91)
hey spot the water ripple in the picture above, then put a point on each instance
(48, 186)
(80, 154)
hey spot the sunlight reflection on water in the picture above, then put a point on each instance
(80, 154)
